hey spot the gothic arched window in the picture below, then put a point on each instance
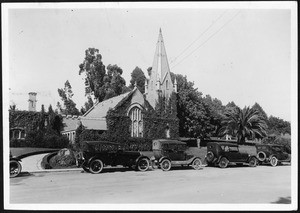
(135, 115)
(167, 84)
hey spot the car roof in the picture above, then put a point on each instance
(164, 141)
(223, 143)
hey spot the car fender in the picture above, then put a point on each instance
(92, 158)
(162, 158)
(189, 161)
(16, 159)
(141, 157)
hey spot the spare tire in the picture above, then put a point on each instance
(210, 156)
(261, 156)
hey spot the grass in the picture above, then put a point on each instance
(22, 152)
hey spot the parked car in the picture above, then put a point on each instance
(222, 153)
(272, 154)
(14, 166)
(168, 153)
(97, 154)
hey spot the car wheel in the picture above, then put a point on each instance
(15, 168)
(252, 162)
(197, 164)
(96, 166)
(209, 156)
(261, 156)
(165, 165)
(223, 162)
(143, 165)
(273, 161)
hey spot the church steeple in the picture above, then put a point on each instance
(160, 79)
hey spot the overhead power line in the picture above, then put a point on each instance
(208, 38)
(213, 23)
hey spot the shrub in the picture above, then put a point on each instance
(45, 161)
(61, 160)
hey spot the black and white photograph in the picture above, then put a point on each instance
(150, 106)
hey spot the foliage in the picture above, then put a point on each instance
(87, 105)
(37, 135)
(243, 124)
(261, 112)
(138, 77)
(66, 95)
(278, 126)
(193, 112)
(99, 83)
(61, 160)
(285, 142)
(156, 122)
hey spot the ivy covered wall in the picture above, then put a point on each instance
(155, 124)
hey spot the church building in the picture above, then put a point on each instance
(137, 110)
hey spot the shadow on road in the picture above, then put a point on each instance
(283, 200)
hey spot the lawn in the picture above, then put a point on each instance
(22, 152)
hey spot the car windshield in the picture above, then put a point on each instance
(233, 149)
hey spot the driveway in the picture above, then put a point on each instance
(32, 163)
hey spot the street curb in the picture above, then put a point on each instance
(55, 170)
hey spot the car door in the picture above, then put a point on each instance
(235, 155)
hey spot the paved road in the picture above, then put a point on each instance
(263, 184)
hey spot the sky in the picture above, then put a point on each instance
(241, 54)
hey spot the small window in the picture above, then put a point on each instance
(167, 84)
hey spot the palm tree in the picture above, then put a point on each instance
(246, 123)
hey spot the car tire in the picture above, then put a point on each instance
(210, 156)
(223, 163)
(14, 168)
(96, 166)
(273, 161)
(261, 156)
(252, 162)
(143, 165)
(197, 164)
(165, 165)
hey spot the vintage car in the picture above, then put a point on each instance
(14, 166)
(168, 153)
(272, 154)
(95, 155)
(222, 153)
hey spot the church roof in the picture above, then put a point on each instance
(100, 109)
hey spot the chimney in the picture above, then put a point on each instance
(32, 101)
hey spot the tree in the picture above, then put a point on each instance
(138, 77)
(214, 110)
(191, 111)
(94, 70)
(66, 95)
(87, 105)
(260, 110)
(278, 126)
(115, 82)
(42, 118)
(97, 82)
(245, 123)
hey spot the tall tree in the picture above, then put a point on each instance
(97, 82)
(66, 95)
(243, 123)
(94, 70)
(260, 110)
(192, 114)
(138, 77)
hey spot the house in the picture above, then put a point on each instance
(134, 105)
